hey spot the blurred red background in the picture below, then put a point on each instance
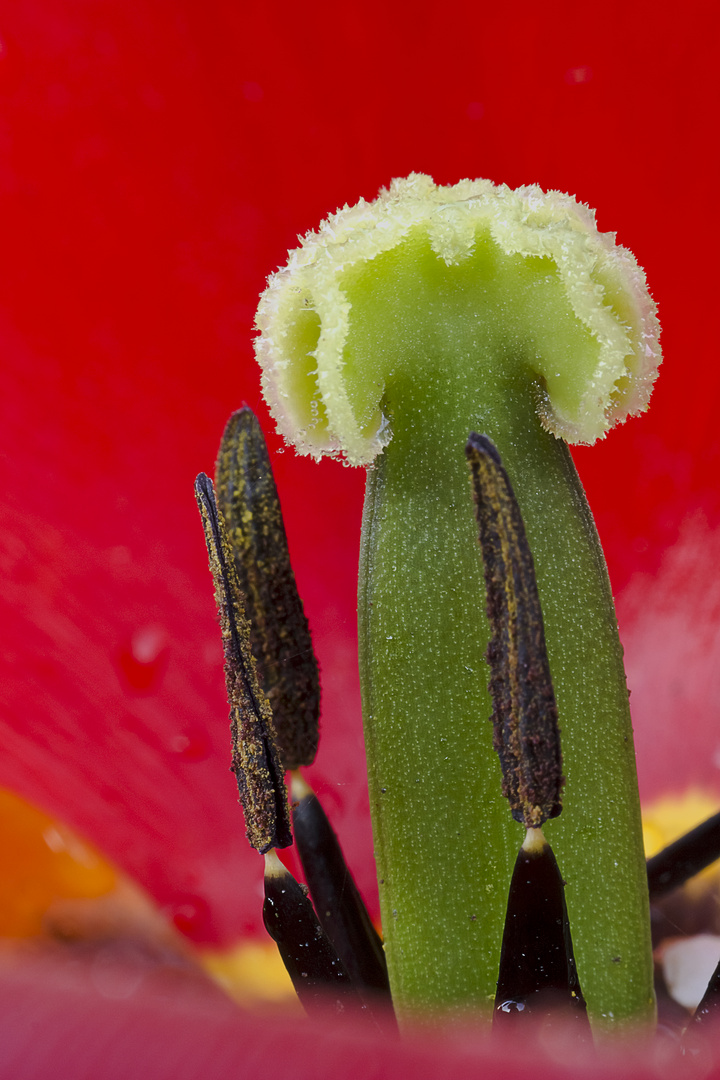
(157, 160)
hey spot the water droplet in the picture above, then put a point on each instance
(190, 745)
(146, 644)
(511, 1006)
(576, 75)
(142, 660)
(191, 915)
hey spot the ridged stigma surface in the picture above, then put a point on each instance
(444, 838)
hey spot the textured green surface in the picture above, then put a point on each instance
(395, 329)
(444, 839)
(532, 278)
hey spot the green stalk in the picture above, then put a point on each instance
(396, 330)
(444, 841)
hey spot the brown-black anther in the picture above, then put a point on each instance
(255, 759)
(279, 631)
(707, 1015)
(526, 735)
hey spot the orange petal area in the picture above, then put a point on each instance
(41, 862)
(56, 887)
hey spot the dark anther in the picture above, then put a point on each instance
(255, 760)
(708, 1011)
(537, 966)
(684, 858)
(340, 907)
(318, 974)
(538, 975)
(525, 720)
(279, 632)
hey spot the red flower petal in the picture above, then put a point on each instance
(158, 160)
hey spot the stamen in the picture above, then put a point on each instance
(318, 974)
(537, 963)
(255, 760)
(708, 1011)
(525, 719)
(684, 858)
(340, 907)
(279, 631)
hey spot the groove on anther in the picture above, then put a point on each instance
(255, 760)
(526, 735)
(279, 631)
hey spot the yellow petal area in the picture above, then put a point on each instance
(252, 973)
(459, 270)
(671, 817)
